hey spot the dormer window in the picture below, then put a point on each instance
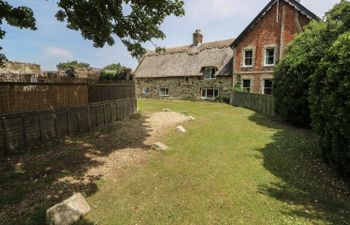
(209, 72)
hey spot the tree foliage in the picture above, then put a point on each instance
(330, 104)
(291, 82)
(71, 65)
(21, 17)
(114, 71)
(313, 82)
(133, 21)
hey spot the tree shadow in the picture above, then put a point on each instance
(31, 183)
(306, 186)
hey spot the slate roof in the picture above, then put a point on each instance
(294, 3)
(187, 60)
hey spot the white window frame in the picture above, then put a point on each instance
(165, 94)
(206, 93)
(263, 89)
(146, 90)
(244, 57)
(250, 85)
(274, 56)
(209, 69)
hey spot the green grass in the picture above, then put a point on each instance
(234, 166)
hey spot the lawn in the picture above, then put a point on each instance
(234, 166)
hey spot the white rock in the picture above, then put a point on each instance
(159, 146)
(181, 129)
(68, 212)
(191, 118)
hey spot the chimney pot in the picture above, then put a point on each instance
(197, 37)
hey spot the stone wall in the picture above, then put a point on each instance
(183, 87)
(20, 68)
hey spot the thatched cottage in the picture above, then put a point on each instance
(199, 70)
(209, 70)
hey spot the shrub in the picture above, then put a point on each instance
(330, 104)
(291, 76)
(109, 75)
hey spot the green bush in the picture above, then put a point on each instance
(291, 77)
(109, 75)
(330, 104)
(313, 82)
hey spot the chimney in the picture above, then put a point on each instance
(197, 38)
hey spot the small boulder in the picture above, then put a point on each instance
(159, 146)
(166, 110)
(68, 212)
(191, 118)
(181, 129)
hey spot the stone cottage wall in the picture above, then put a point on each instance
(183, 87)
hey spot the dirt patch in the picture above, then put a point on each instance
(33, 182)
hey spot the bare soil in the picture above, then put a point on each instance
(41, 179)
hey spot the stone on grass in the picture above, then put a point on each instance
(166, 110)
(181, 129)
(191, 118)
(159, 146)
(68, 212)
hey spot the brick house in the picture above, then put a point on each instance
(208, 70)
(259, 47)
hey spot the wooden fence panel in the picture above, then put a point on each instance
(27, 97)
(20, 131)
(261, 103)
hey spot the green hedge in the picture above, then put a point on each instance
(330, 104)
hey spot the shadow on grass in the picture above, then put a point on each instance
(308, 188)
(32, 183)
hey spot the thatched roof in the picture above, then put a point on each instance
(187, 60)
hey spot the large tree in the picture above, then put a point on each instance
(133, 21)
(21, 17)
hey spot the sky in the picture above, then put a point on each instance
(53, 43)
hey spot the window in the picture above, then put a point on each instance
(164, 92)
(209, 72)
(248, 58)
(246, 85)
(209, 93)
(269, 57)
(267, 87)
(146, 90)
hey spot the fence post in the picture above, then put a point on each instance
(5, 135)
(110, 110)
(88, 117)
(96, 114)
(68, 131)
(24, 131)
(56, 125)
(104, 114)
(40, 128)
(78, 118)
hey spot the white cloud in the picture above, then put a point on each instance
(58, 53)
